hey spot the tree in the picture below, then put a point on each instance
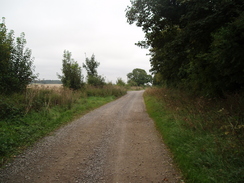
(139, 77)
(91, 66)
(72, 77)
(97, 81)
(16, 63)
(120, 82)
(193, 42)
(93, 78)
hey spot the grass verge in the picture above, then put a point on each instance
(199, 134)
(25, 118)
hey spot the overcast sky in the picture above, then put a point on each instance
(83, 27)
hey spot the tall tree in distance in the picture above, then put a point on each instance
(72, 77)
(120, 82)
(91, 66)
(139, 77)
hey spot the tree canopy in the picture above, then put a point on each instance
(16, 63)
(91, 66)
(120, 82)
(72, 77)
(139, 77)
(193, 44)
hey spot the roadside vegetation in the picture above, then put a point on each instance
(28, 116)
(196, 55)
(205, 135)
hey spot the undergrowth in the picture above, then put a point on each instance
(205, 135)
(26, 117)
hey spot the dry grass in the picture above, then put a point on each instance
(49, 95)
(206, 135)
(205, 113)
(46, 86)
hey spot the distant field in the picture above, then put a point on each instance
(45, 85)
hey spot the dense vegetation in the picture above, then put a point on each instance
(16, 63)
(72, 77)
(194, 44)
(139, 77)
(205, 136)
(93, 78)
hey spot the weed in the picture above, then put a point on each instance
(205, 135)
(26, 117)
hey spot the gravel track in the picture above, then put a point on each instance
(117, 142)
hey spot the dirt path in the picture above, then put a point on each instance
(114, 143)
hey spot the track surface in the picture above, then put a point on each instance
(117, 142)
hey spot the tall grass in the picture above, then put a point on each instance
(106, 90)
(26, 117)
(205, 135)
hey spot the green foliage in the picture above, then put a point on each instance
(72, 77)
(195, 44)
(227, 55)
(120, 82)
(106, 90)
(93, 78)
(91, 66)
(16, 64)
(138, 77)
(97, 81)
(205, 136)
(157, 79)
(9, 109)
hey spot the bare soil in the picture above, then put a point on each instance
(117, 142)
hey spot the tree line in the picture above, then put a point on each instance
(47, 81)
(196, 45)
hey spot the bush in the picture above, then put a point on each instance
(10, 107)
(107, 90)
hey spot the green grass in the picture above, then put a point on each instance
(203, 150)
(20, 131)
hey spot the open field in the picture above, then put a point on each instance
(45, 85)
